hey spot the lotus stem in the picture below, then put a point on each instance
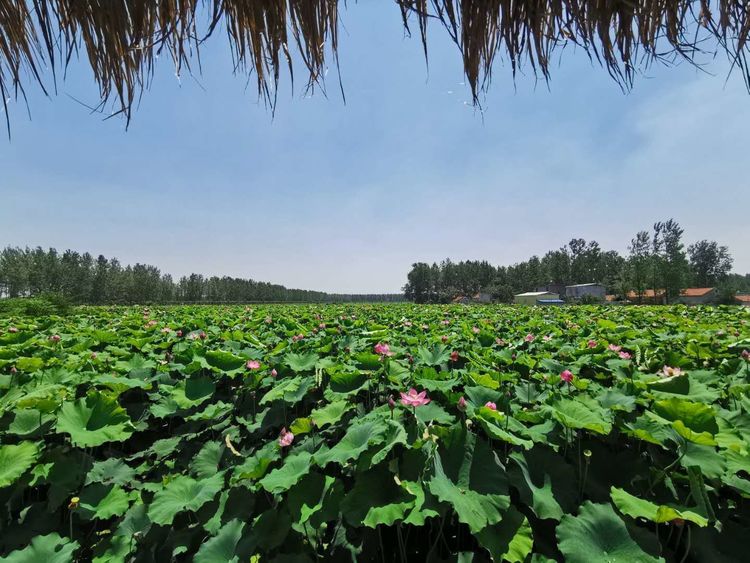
(687, 546)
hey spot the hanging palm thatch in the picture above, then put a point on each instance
(121, 39)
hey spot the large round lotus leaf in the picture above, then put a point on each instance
(640, 508)
(94, 421)
(44, 549)
(221, 547)
(577, 414)
(598, 534)
(15, 460)
(183, 493)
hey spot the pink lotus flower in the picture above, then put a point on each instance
(382, 350)
(269, 320)
(410, 358)
(322, 326)
(274, 373)
(614, 348)
(151, 323)
(179, 334)
(454, 356)
(490, 405)
(252, 364)
(414, 399)
(166, 330)
(391, 403)
(407, 323)
(12, 329)
(529, 337)
(668, 371)
(285, 438)
(592, 344)
(444, 339)
(566, 376)
(55, 338)
(625, 355)
(445, 322)
(425, 327)
(500, 342)
(297, 337)
(475, 330)
(461, 404)
(202, 335)
(93, 355)
(13, 370)
(746, 355)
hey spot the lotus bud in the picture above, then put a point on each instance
(461, 404)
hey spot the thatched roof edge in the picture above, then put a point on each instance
(121, 39)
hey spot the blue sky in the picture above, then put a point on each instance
(344, 197)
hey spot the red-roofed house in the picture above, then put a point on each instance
(649, 296)
(698, 295)
(742, 300)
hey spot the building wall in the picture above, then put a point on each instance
(709, 297)
(597, 291)
(531, 299)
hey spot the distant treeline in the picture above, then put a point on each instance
(83, 279)
(656, 260)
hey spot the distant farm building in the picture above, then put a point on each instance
(582, 290)
(742, 300)
(649, 296)
(558, 288)
(698, 295)
(688, 296)
(533, 298)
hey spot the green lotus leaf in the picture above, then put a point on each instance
(346, 382)
(110, 471)
(50, 548)
(282, 479)
(224, 361)
(206, 462)
(221, 548)
(289, 389)
(576, 414)
(182, 493)
(711, 463)
(94, 421)
(376, 499)
(640, 508)
(433, 356)
(698, 417)
(105, 501)
(29, 422)
(29, 365)
(473, 508)
(510, 540)
(330, 413)
(15, 460)
(598, 534)
(356, 440)
(136, 367)
(301, 362)
(191, 392)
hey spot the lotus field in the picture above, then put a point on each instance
(376, 433)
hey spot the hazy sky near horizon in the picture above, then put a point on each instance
(345, 197)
